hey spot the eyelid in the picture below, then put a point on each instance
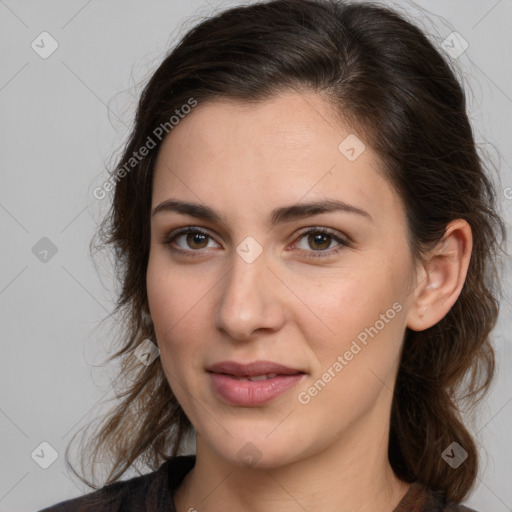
(328, 231)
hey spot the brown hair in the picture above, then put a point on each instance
(390, 85)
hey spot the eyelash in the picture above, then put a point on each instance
(168, 240)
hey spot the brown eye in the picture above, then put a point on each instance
(194, 240)
(319, 240)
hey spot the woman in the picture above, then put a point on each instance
(304, 229)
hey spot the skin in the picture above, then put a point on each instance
(243, 161)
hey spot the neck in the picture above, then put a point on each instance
(352, 474)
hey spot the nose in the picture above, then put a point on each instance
(250, 299)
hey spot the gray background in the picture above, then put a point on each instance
(62, 120)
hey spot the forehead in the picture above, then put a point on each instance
(292, 122)
(277, 151)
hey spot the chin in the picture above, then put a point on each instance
(259, 451)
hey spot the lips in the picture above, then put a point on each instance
(250, 370)
(252, 384)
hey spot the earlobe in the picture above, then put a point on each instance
(442, 277)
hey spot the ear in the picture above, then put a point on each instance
(441, 278)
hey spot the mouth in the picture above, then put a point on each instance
(257, 370)
(252, 384)
(254, 378)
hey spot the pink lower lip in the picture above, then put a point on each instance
(251, 394)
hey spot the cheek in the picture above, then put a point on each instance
(173, 301)
(172, 291)
(363, 308)
(175, 310)
(356, 361)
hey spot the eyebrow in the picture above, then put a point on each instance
(277, 216)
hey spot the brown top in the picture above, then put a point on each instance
(153, 493)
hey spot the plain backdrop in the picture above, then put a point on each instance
(63, 119)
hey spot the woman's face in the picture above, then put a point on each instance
(253, 285)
